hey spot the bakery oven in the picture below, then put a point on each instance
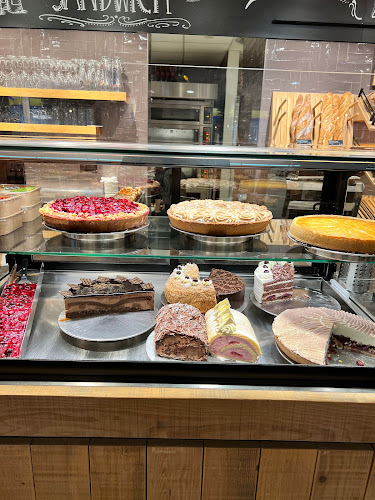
(181, 112)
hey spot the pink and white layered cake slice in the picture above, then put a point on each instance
(230, 334)
(273, 281)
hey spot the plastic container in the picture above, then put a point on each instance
(31, 213)
(34, 226)
(9, 224)
(11, 240)
(10, 204)
(29, 194)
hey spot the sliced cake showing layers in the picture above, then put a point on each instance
(108, 295)
(273, 281)
(231, 335)
(304, 335)
(180, 333)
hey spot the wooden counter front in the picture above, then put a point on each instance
(101, 442)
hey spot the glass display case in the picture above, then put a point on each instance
(167, 175)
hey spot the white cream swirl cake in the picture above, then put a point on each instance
(219, 218)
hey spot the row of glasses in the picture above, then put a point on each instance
(106, 74)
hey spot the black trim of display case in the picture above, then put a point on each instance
(187, 373)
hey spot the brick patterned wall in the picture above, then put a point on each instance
(313, 67)
(120, 122)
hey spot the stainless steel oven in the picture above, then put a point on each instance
(182, 112)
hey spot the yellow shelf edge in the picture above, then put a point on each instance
(52, 129)
(87, 95)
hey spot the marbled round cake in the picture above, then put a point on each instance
(304, 335)
(94, 215)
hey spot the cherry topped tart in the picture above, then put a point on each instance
(94, 215)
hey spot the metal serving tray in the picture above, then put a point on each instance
(324, 253)
(98, 237)
(47, 344)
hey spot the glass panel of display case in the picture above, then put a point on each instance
(286, 189)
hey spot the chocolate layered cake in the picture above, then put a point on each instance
(180, 333)
(108, 295)
(273, 281)
(306, 334)
(228, 285)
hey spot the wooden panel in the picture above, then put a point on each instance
(61, 469)
(286, 471)
(342, 473)
(118, 469)
(370, 490)
(16, 470)
(183, 413)
(230, 470)
(174, 470)
(50, 129)
(88, 95)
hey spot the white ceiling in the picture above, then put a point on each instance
(189, 49)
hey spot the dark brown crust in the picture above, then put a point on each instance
(98, 226)
(219, 229)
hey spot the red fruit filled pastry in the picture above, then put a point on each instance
(94, 215)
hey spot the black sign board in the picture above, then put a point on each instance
(345, 20)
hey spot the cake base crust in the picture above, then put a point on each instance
(219, 229)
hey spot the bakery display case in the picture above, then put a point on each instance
(72, 267)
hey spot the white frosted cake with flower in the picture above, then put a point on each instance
(273, 281)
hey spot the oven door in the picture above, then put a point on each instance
(178, 111)
(180, 133)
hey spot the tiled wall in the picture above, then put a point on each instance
(250, 90)
(120, 122)
(313, 67)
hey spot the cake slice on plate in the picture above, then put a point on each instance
(108, 295)
(185, 286)
(231, 335)
(273, 281)
(180, 333)
(228, 285)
